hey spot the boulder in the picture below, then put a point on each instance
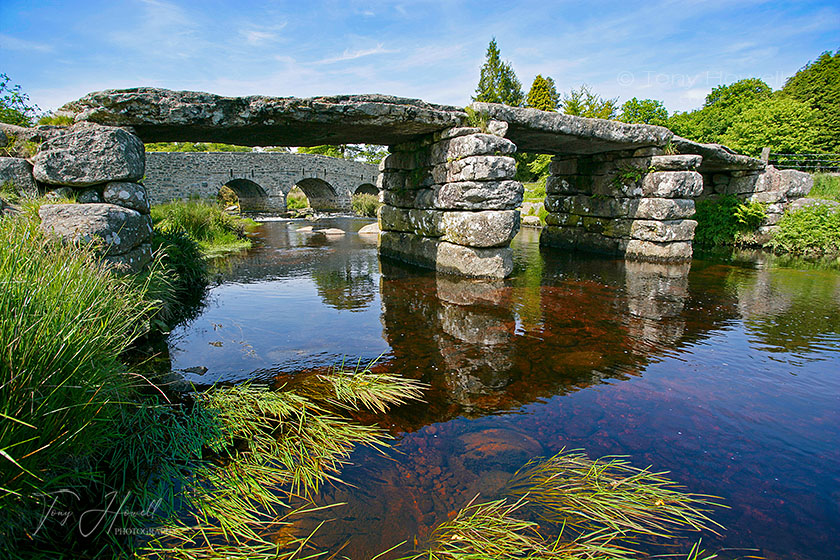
(663, 209)
(116, 230)
(475, 168)
(132, 261)
(128, 195)
(370, 229)
(473, 195)
(679, 251)
(663, 232)
(676, 162)
(88, 196)
(672, 184)
(496, 262)
(87, 154)
(490, 228)
(17, 172)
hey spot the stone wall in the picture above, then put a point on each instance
(775, 188)
(100, 168)
(449, 202)
(328, 183)
(635, 204)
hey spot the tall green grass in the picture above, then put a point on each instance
(206, 222)
(826, 186)
(65, 321)
(810, 231)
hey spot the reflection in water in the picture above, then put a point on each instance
(725, 375)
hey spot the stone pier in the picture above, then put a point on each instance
(449, 202)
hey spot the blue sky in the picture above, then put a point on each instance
(674, 51)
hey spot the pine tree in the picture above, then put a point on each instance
(498, 82)
(543, 94)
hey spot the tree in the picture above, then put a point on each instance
(645, 111)
(781, 123)
(498, 82)
(722, 109)
(584, 102)
(14, 104)
(368, 153)
(543, 94)
(818, 85)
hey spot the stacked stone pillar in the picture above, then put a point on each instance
(635, 204)
(449, 202)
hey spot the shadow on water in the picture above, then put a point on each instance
(725, 375)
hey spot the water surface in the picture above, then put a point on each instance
(726, 375)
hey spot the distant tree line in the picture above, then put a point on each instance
(802, 117)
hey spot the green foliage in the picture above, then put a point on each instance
(810, 231)
(498, 82)
(296, 199)
(722, 109)
(818, 85)
(66, 320)
(368, 153)
(645, 111)
(206, 222)
(17, 147)
(477, 119)
(195, 147)
(826, 186)
(14, 104)
(783, 124)
(534, 191)
(543, 94)
(56, 120)
(725, 220)
(365, 204)
(583, 102)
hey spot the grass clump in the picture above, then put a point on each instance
(810, 231)
(65, 321)
(534, 192)
(571, 507)
(826, 186)
(726, 220)
(206, 222)
(366, 205)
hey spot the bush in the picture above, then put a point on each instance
(724, 221)
(65, 321)
(811, 231)
(366, 204)
(205, 222)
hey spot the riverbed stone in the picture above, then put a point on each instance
(488, 228)
(128, 195)
(115, 229)
(87, 154)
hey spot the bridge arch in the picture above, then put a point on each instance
(252, 197)
(321, 194)
(366, 188)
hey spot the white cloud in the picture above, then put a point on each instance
(7, 42)
(353, 55)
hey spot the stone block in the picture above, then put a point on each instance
(447, 257)
(475, 168)
(128, 195)
(563, 219)
(473, 145)
(115, 229)
(561, 166)
(421, 222)
(662, 209)
(489, 228)
(678, 251)
(17, 172)
(88, 196)
(663, 232)
(578, 238)
(568, 184)
(88, 154)
(608, 227)
(672, 184)
(676, 162)
(472, 195)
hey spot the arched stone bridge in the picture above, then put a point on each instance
(261, 180)
(448, 185)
